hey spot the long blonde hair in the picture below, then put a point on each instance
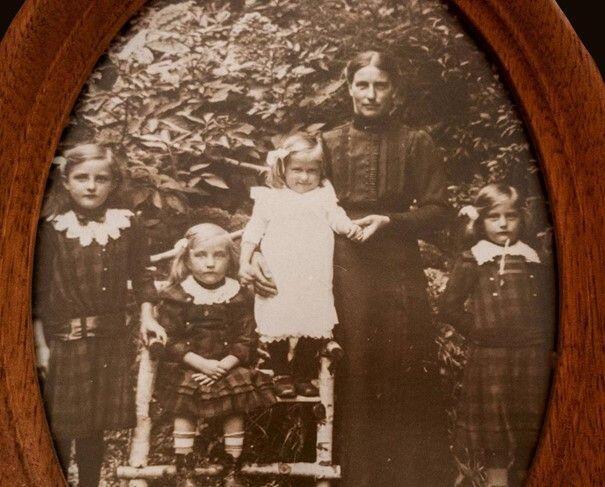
(196, 235)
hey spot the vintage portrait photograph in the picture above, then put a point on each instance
(295, 243)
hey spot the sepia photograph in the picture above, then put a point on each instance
(295, 243)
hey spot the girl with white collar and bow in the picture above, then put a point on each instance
(88, 250)
(500, 296)
(293, 223)
(208, 373)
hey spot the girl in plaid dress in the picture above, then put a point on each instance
(88, 250)
(209, 368)
(501, 297)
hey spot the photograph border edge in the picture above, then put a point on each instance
(560, 93)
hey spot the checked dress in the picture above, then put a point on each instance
(507, 314)
(212, 323)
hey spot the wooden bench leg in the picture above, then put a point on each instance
(139, 449)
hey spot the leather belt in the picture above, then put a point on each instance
(88, 326)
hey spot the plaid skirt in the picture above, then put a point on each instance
(89, 387)
(502, 404)
(243, 390)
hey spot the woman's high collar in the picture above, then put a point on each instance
(378, 124)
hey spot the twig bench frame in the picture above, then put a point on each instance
(322, 469)
(49, 52)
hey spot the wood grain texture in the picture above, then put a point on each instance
(48, 53)
(563, 101)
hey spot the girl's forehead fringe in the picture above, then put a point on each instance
(197, 239)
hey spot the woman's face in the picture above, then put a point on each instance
(372, 92)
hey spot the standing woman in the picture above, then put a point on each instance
(390, 427)
(385, 397)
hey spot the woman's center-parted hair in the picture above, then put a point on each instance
(298, 143)
(195, 237)
(379, 59)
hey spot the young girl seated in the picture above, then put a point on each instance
(293, 221)
(88, 249)
(509, 325)
(212, 342)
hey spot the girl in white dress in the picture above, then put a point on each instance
(294, 221)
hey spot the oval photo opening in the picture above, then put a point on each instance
(295, 243)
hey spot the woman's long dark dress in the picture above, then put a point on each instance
(390, 418)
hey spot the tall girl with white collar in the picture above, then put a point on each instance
(88, 250)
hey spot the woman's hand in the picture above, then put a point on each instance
(371, 224)
(257, 273)
(150, 327)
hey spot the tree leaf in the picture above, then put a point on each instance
(214, 180)
(157, 200)
(193, 181)
(302, 70)
(175, 203)
(197, 167)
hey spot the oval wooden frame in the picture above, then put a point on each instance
(50, 50)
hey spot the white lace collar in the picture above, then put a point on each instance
(115, 221)
(202, 295)
(485, 251)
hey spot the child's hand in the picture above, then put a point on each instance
(371, 224)
(214, 369)
(150, 327)
(203, 379)
(42, 359)
(229, 362)
(355, 233)
(211, 368)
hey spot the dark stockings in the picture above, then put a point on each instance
(89, 458)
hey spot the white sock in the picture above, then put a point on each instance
(183, 442)
(234, 443)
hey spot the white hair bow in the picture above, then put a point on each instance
(61, 162)
(276, 155)
(469, 211)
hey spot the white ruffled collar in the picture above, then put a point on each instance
(202, 295)
(115, 220)
(485, 251)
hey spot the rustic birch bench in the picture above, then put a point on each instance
(138, 471)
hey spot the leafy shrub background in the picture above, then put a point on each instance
(193, 94)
